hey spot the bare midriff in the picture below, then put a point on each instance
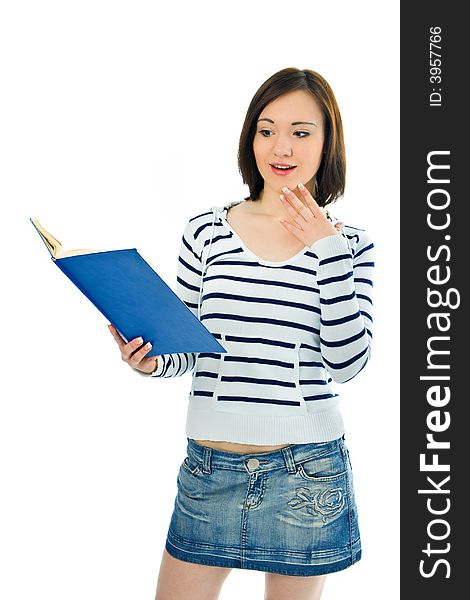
(238, 448)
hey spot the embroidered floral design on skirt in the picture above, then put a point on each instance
(326, 503)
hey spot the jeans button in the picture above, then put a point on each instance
(252, 464)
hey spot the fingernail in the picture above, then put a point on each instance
(285, 190)
(148, 345)
(282, 197)
(139, 340)
(301, 186)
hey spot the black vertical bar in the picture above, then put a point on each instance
(435, 261)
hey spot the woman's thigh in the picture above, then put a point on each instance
(288, 587)
(180, 580)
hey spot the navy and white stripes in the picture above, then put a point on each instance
(291, 329)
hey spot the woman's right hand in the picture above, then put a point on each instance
(133, 352)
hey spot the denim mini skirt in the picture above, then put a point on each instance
(290, 511)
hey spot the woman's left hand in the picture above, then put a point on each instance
(310, 223)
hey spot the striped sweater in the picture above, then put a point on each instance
(291, 329)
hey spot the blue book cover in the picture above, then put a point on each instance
(133, 297)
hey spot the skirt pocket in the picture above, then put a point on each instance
(191, 464)
(191, 481)
(322, 488)
(325, 464)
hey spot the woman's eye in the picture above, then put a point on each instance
(266, 132)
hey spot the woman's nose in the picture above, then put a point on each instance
(282, 147)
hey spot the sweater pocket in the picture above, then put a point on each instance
(259, 376)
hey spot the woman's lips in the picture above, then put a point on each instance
(282, 172)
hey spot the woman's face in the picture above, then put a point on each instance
(290, 130)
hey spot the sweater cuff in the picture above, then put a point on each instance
(331, 245)
(157, 372)
(160, 366)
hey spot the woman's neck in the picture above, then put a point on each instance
(269, 203)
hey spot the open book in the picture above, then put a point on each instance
(133, 297)
(54, 246)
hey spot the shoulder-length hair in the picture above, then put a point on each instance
(331, 175)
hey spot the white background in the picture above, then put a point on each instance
(120, 121)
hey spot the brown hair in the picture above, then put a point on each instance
(331, 174)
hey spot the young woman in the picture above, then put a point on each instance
(286, 288)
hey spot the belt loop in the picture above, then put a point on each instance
(289, 459)
(206, 459)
